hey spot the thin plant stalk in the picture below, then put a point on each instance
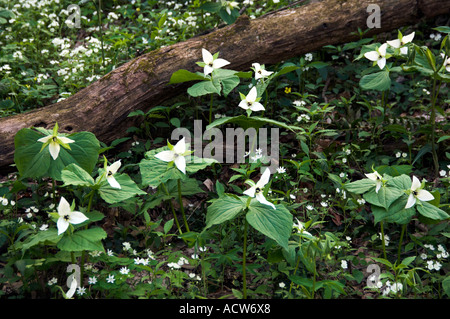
(244, 271)
(434, 96)
(181, 206)
(210, 109)
(400, 242)
(173, 210)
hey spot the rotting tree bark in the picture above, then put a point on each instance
(102, 107)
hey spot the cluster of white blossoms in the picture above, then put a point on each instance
(439, 253)
(177, 265)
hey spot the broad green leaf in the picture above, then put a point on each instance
(361, 186)
(89, 239)
(446, 285)
(48, 237)
(181, 76)
(128, 189)
(32, 162)
(379, 81)
(385, 196)
(430, 211)
(394, 170)
(204, 88)
(75, 175)
(223, 209)
(274, 223)
(229, 84)
(396, 213)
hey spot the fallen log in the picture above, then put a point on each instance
(142, 83)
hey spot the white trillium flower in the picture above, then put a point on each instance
(446, 62)
(417, 193)
(376, 177)
(301, 227)
(250, 102)
(378, 56)
(401, 41)
(54, 142)
(257, 189)
(67, 216)
(212, 63)
(110, 171)
(260, 72)
(176, 154)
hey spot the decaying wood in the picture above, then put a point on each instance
(142, 83)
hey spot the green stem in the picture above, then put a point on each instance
(433, 127)
(181, 206)
(210, 109)
(173, 210)
(244, 272)
(314, 280)
(400, 243)
(83, 253)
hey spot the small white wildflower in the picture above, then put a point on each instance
(344, 264)
(92, 280)
(124, 270)
(281, 170)
(110, 279)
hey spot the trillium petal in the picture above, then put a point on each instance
(45, 139)
(378, 186)
(260, 197)
(63, 207)
(372, 55)
(54, 148)
(382, 63)
(415, 183)
(65, 140)
(382, 49)
(166, 156)
(180, 147)
(207, 69)
(77, 217)
(219, 63)
(257, 66)
(411, 201)
(256, 106)
(180, 163)
(408, 38)
(264, 178)
(207, 56)
(404, 50)
(243, 104)
(114, 167)
(251, 191)
(252, 95)
(394, 43)
(62, 225)
(113, 182)
(424, 195)
(371, 176)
